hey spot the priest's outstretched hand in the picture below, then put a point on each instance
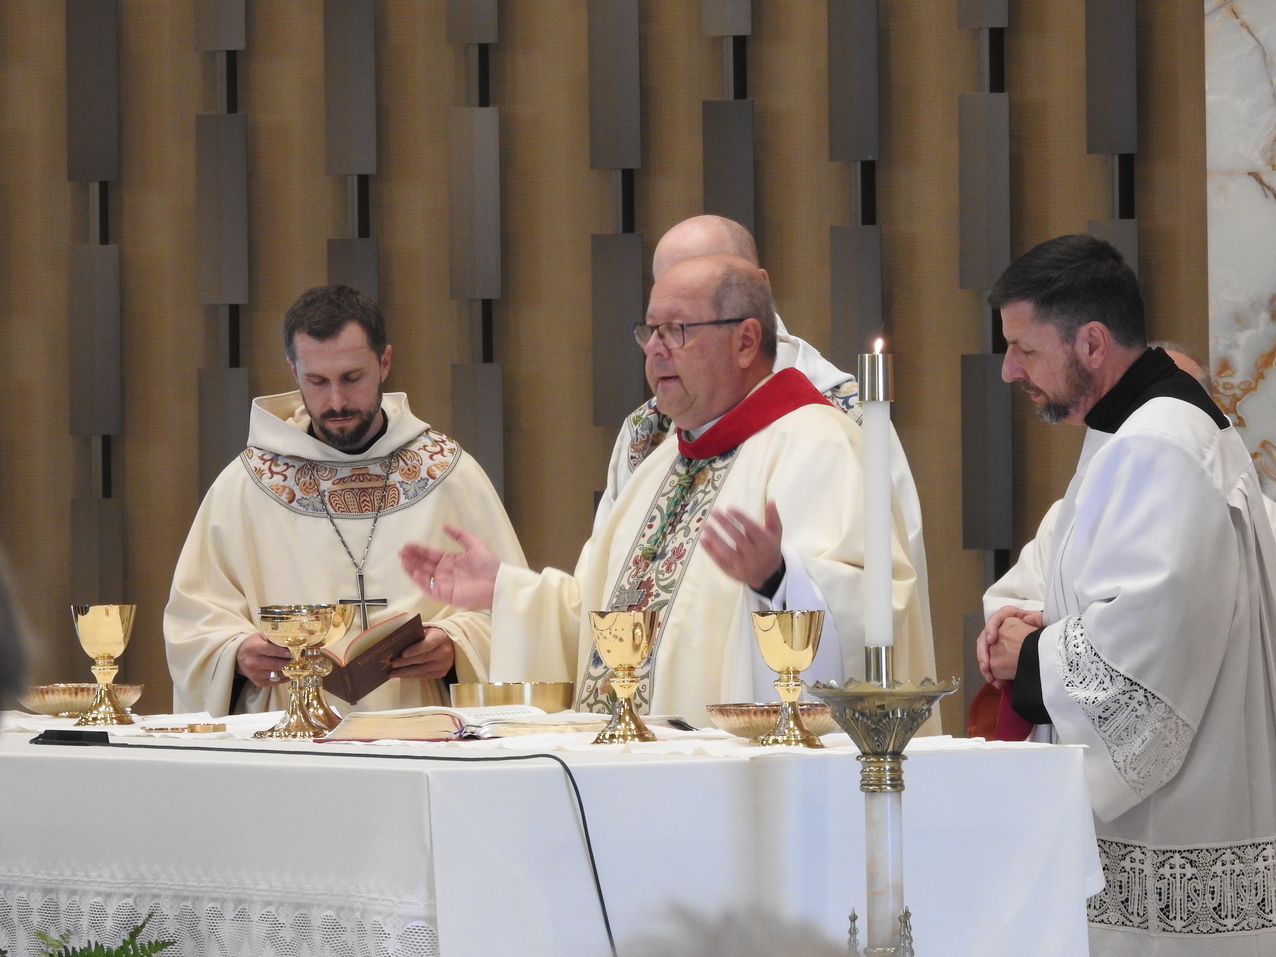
(998, 646)
(742, 548)
(466, 578)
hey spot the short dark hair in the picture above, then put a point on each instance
(1072, 280)
(742, 292)
(323, 311)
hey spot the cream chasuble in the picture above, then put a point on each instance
(646, 555)
(263, 537)
(645, 428)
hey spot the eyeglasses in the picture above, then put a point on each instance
(674, 334)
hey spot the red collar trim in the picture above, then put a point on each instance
(785, 391)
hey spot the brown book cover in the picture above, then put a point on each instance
(370, 669)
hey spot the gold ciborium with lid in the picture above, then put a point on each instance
(104, 632)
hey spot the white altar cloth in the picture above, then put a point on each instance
(480, 860)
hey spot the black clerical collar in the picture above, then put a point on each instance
(385, 424)
(1153, 375)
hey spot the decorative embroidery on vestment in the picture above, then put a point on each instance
(1216, 889)
(354, 491)
(846, 396)
(656, 565)
(650, 428)
(1145, 738)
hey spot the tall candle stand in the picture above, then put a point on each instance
(881, 714)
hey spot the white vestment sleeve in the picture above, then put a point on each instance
(1138, 633)
(536, 621)
(1024, 584)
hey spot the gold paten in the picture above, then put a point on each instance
(205, 728)
(754, 720)
(300, 628)
(623, 640)
(788, 641)
(549, 696)
(70, 699)
(104, 632)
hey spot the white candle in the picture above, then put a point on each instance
(876, 393)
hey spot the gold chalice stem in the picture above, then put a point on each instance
(625, 725)
(319, 666)
(105, 709)
(296, 722)
(789, 728)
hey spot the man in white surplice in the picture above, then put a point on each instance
(646, 427)
(756, 503)
(1153, 643)
(337, 477)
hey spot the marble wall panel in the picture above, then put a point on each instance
(1240, 105)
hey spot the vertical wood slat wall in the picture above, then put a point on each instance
(552, 202)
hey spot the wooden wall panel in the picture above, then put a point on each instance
(553, 202)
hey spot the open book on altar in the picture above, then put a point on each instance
(446, 724)
(362, 659)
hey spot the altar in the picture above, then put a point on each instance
(476, 849)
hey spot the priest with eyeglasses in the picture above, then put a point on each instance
(756, 504)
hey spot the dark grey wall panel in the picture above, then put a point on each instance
(983, 131)
(472, 21)
(478, 417)
(1111, 89)
(225, 402)
(354, 262)
(350, 86)
(615, 122)
(1121, 233)
(727, 127)
(726, 18)
(982, 14)
(852, 71)
(855, 259)
(987, 486)
(221, 207)
(219, 25)
(97, 551)
(92, 91)
(474, 202)
(617, 303)
(93, 301)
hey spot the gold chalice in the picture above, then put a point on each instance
(299, 628)
(104, 632)
(320, 666)
(788, 640)
(623, 640)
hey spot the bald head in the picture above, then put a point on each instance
(703, 236)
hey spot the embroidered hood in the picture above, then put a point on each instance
(279, 424)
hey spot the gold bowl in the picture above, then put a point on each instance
(549, 696)
(70, 699)
(753, 720)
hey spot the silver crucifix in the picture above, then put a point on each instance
(363, 601)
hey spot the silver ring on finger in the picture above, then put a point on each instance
(431, 583)
(273, 677)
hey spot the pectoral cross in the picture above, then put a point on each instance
(626, 600)
(363, 601)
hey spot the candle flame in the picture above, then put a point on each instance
(877, 347)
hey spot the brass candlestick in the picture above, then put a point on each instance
(788, 641)
(881, 715)
(104, 632)
(299, 628)
(623, 640)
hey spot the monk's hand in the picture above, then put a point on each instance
(431, 657)
(991, 636)
(742, 548)
(261, 660)
(466, 578)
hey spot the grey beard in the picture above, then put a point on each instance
(1052, 413)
